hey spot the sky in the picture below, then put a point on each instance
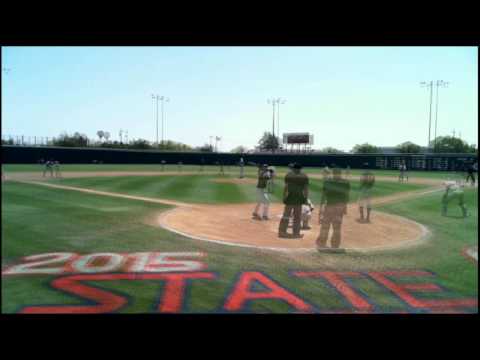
(342, 95)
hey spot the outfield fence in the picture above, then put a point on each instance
(35, 154)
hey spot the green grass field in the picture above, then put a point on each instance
(39, 220)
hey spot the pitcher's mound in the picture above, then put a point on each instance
(233, 225)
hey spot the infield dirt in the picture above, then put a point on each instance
(232, 224)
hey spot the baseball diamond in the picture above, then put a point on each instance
(109, 238)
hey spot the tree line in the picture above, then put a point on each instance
(81, 140)
(442, 144)
(268, 143)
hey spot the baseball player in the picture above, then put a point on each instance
(270, 182)
(326, 173)
(221, 168)
(367, 180)
(262, 196)
(403, 172)
(453, 192)
(48, 167)
(295, 195)
(307, 210)
(333, 206)
(56, 166)
(290, 168)
(202, 164)
(242, 165)
(163, 164)
(347, 172)
(471, 174)
(180, 166)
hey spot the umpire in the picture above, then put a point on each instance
(333, 206)
(295, 195)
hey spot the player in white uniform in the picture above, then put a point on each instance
(48, 167)
(242, 165)
(453, 192)
(307, 210)
(403, 172)
(326, 173)
(262, 195)
(367, 180)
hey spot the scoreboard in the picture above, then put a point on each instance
(298, 138)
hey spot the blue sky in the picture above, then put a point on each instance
(343, 95)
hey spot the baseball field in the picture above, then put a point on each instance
(141, 239)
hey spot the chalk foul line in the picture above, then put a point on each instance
(111, 194)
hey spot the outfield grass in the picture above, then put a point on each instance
(38, 220)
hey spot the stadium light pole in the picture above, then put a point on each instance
(164, 99)
(429, 85)
(280, 101)
(439, 83)
(156, 97)
(273, 102)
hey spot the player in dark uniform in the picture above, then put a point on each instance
(295, 195)
(471, 174)
(202, 164)
(333, 206)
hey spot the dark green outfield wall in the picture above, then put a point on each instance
(30, 155)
